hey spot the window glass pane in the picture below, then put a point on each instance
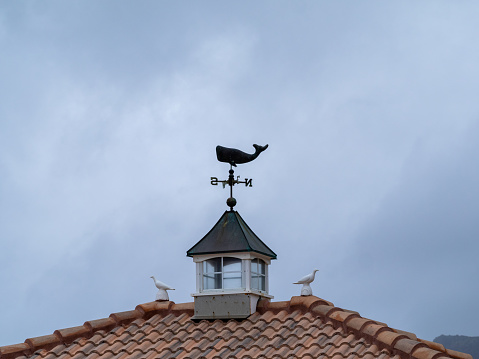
(212, 265)
(231, 264)
(233, 281)
(222, 273)
(231, 275)
(254, 282)
(258, 282)
(261, 266)
(212, 281)
(262, 283)
(254, 266)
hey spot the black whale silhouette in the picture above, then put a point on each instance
(234, 156)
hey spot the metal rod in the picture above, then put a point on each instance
(231, 180)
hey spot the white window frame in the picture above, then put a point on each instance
(246, 258)
(259, 275)
(221, 273)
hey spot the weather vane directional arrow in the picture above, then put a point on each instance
(231, 181)
(234, 157)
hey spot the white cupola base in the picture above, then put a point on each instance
(225, 306)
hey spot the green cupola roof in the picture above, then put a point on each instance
(230, 234)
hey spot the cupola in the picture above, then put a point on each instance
(231, 261)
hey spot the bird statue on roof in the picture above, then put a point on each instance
(305, 281)
(162, 288)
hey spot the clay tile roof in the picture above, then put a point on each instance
(304, 327)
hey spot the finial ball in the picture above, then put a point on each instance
(231, 202)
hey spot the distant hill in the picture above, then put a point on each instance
(461, 343)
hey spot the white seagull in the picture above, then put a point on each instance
(306, 289)
(307, 278)
(162, 288)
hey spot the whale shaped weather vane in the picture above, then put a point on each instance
(234, 157)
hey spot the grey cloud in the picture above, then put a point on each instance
(111, 112)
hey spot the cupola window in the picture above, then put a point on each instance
(222, 273)
(258, 274)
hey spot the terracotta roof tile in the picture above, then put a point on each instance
(343, 316)
(43, 342)
(306, 327)
(389, 338)
(99, 324)
(459, 355)
(87, 348)
(433, 345)
(408, 345)
(78, 355)
(368, 328)
(70, 334)
(359, 324)
(427, 353)
(323, 310)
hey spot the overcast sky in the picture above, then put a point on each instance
(110, 113)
